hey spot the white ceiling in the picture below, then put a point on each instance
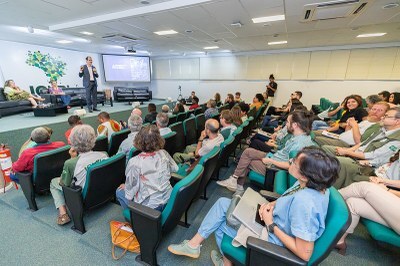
(208, 20)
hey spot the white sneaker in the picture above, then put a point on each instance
(230, 183)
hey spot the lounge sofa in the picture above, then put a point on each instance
(78, 96)
(130, 94)
(12, 107)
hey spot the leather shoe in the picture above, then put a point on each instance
(95, 109)
(341, 248)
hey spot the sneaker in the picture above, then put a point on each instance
(184, 249)
(230, 183)
(217, 258)
(239, 191)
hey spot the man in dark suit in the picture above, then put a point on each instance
(89, 74)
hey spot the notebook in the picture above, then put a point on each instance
(330, 135)
(246, 210)
(264, 133)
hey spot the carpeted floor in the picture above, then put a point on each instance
(34, 238)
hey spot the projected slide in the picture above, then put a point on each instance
(126, 68)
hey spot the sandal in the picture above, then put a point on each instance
(63, 219)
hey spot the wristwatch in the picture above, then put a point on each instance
(270, 228)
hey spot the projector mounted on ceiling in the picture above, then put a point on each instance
(119, 38)
(334, 9)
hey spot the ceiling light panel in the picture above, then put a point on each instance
(268, 19)
(165, 32)
(275, 43)
(367, 35)
(210, 47)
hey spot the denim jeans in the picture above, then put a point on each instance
(120, 193)
(215, 222)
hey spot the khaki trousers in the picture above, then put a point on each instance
(251, 159)
(371, 201)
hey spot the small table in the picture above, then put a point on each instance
(51, 111)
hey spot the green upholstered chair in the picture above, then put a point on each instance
(101, 144)
(381, 233)
(170, 142)
(46, 166)
(200, 123)
(102, 180)
(132, 153)
(260, 252)
(226, 150)
(180, 136)
(116, 139)
(172, 119)
(181, 116)
(189, 127)
(198, 111)
(150, 225)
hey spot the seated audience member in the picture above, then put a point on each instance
(151, 116)
(73, 121)
(371, 100)
(394, 99)
(209, 138)
(352, 108)
(190, 98)
(258, 100)
(230, 100)
(217, 98)
(55, 90)
(165, 109)
(107, 125)
(384, 95)
(307, 200)
(374, 200)
(41, 137)
(195, 103)
(272, 110)
(354, 133)
(244, 109)
(183, 102)
(178, 108)
(135, 123)
(162, 120)
(148, 174)
(299, 125)
(360, 161)
(74, 172)
(211, 109)
(136, 111)
(236, 114)
(276, 142)
(237, 97)
(227, 126)
(30, 143)
(14, 93)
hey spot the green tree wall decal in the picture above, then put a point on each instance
(53, 67)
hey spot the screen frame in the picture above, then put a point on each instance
(104, 71)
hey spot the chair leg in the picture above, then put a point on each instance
(25, 180)
(204, 196)
(186, 224)
(77, 218)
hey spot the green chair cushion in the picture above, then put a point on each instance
(381, 233)
(127, 215)
(256, 177)
(238, 253)
(44, 154)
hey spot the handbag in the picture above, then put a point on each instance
(123, 236)
(231, 221)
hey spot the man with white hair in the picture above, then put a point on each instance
(42, 138)
(162, 120)
(135, 123)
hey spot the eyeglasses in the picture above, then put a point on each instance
(389, 116)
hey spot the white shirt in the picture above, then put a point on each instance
(164, 131)
(90, 73)
(347, 136)
(209, 144)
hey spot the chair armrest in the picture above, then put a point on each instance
(269, 195)
(144, 211)
(262, 251)
(73, 196)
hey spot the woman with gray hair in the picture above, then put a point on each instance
(83, 138)
(135, 123)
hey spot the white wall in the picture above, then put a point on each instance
(312, 90)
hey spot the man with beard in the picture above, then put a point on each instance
(299, 126)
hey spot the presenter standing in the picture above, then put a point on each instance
(89, 74)
(271, 88)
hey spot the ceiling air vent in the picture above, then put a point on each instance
(119, 38)
(334, 9)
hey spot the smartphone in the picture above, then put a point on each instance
(258, 218)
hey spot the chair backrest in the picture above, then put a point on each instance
(261, 111)
(189, 113)
(48, 165)
(216, 117)
(180, 136)
(189, 127)
(181, 196)
(209, 162)
(101, 144)
(102, 179)
(224, 153)
(200, 123)
(172, 119)
(198, 111)
(252, 112)
(337, 221)
(181, 117)
(170, 142)
(116, 139)
(133, 152)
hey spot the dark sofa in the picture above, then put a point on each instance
(78, 96)
(12, 107)
(130, 94)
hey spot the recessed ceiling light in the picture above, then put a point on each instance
(86, 33)
(64, 41)
(210, 47)
(371, 35)
(268, 19)
(390, 5)
(274, 43)
(144, 2)
(188, 31)
(165, 32)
